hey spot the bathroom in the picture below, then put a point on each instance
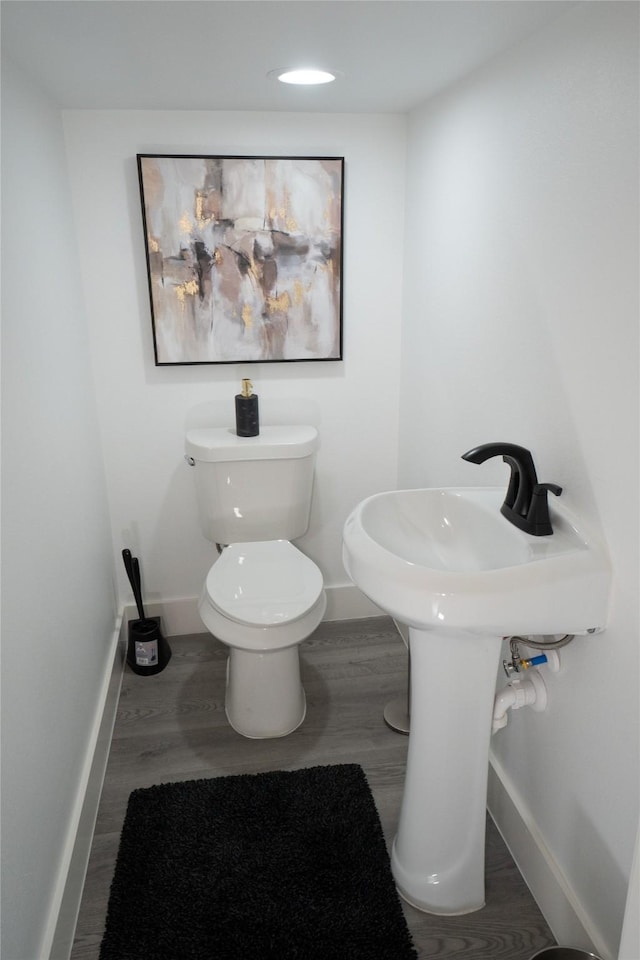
(490, 293)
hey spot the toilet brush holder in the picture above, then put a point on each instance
(147, 650)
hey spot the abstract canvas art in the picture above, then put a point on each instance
(244, 257)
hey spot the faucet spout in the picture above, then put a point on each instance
(525, 503)
(523, 477)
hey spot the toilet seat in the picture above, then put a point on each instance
(263, 584)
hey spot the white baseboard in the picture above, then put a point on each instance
(58, 939)
(560, 907)
(346, 602)
(180, 616)
(630, 939)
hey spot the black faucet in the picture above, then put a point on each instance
(525, 504)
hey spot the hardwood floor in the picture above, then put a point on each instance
(173, 727)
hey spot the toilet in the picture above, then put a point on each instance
(262, 597)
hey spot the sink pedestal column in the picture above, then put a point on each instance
(439, 851)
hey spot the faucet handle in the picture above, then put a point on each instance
(539, 489)
(538, 518)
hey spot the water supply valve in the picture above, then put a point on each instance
(510, 667)
(518, 662)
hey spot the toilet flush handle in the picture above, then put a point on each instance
(189, 460)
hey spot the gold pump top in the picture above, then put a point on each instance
(247, 388)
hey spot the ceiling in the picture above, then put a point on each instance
(216, 54)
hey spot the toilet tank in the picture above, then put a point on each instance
(253, 488)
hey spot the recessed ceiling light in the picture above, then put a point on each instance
(306, 77)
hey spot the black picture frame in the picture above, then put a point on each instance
(244, 257)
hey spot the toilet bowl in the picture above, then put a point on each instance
(262, 599)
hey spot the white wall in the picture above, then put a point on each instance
(143, 408)
(521, 324)
(57, 571)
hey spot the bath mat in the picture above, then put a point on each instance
(290, 865)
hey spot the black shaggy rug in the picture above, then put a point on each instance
(289, 865)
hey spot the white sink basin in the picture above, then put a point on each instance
(447, 557)
(461, 576)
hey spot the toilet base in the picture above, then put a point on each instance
(264, 696)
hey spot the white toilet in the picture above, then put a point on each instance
(262, 597)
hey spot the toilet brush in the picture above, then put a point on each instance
(147, 650)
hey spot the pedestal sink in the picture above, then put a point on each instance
(447, 564)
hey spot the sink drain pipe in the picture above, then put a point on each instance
(531, 692)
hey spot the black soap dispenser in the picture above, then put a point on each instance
(247, 419)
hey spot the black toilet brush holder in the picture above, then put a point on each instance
(147, 650)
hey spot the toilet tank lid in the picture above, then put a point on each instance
(211, 444)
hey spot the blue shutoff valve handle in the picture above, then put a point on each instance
(533, 661)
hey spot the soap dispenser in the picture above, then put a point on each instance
(247, 419)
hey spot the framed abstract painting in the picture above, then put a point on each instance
(244, 257)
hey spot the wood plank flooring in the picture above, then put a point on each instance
(173, 727)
